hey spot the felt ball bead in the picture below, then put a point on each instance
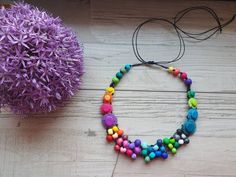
(187, 82)
(147, 159)
(119, 141)
(131, 145)
(109, 120)
(110, 131)
(129, 152)
(144, 145)
(176, 72)
(183, 76)
(158, 153)
(126, 143)
(120, 132)
(152, 155)
(191, 94)
(134, 156)
(159, 142)
(127, 67)
(110, 90)
(192, 114)
(192, 102)
(173, 150)
(123, 70)
(107, 98)
(137, 150)
(164, 155)
(166, 140)
(170, 69)
(115, 129)
(106, 108)
(115, 80)
(189, 126)
(119, 75)
(181, 141)
(137, 142)
(117, 147)
(109, 138)
(144, 152)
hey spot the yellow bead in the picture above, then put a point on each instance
(192, 102)
(110, 131)
(115, 128)
(110, 90)
(170, 145)
(170, 69)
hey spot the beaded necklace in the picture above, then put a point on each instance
(162, 147)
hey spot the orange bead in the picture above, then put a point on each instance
(107, 98)
(120, 132)
(176, 72)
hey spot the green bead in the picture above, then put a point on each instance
(173, 150)
(192, 102)
(144, 152)
(172, 140)
(166, 140)
(176, 145)
(122, 70)
(147, 159)
(144, 145)
(152, 155)
(119, 75)
(115, 80)
(170, 146)
(127, 67)
(191, 94)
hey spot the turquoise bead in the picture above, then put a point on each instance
(147, 159)
(152, 155)
(144, 145)
(189, 126)
(192, 114)
(155, 147)
(119, 75)
(123, 70)
(127, 67)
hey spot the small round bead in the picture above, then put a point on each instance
(107, 98)
(144, 145)
(137, 150)
(152, 155)
(119, 75)
(109, 120)
(110, 90)
(109, 138)
(170, 69)
(176, 145)
(166, 140)
(191, 94)
(192, 102)
(164, 155)
(147, 159)
(129, 152)
(183, 76)
(110, 131)
(158, 153)
(172, 140)
(119, 141)
(122, 150)
(127, 67)
(173, 150)
(137, 142)
(163, 149)
(117, 147)
(123, 70)
(134, 156)
(176, 72)
(189, 126)
(125, 143)
(187, 82)
(131, 145)
(159, 142)
(183, 136)
(170, 146)
(120, 132)
(176, 137)
(150, 149)
(186, 141)
(155, 147)
(115, 136)
(125, 137)
(192, 114)
(106, 108)
(115, 129)
(181, 141)
(179, 131)
(144, 152)
(115, 80)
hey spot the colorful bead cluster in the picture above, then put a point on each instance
(163, 146)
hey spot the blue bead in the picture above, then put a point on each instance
(164, 155)
(158, 153)
(127, 67)
(192, 114)
(159, 142)
(189, 126)
(119, 75)
(150, 149)
(163, 149)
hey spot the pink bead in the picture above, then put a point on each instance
(129, 152)
(137, 150)
(122, 150)
(125, 143)
(176, 72)
(106, 108)
(119, 141)
(183, 76)
(117, 147)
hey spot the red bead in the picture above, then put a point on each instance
(129, 152)
(183, 76)
(109, 138)
(117, 147)
(176, 72)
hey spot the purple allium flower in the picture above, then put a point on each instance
(41, 61)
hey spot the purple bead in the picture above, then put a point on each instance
(125, 137)
(131, 145)
(137, 150)
(137, 142)
(159, 142)
(164, 155)
(133, 156)
(188, 82)
(109, 120)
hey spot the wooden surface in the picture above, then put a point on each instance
(150, 104)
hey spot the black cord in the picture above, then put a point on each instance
(180, 32)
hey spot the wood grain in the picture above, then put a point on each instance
(149, 103)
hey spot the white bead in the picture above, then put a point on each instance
(115, 135)
(181, 141)
(183, 136)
